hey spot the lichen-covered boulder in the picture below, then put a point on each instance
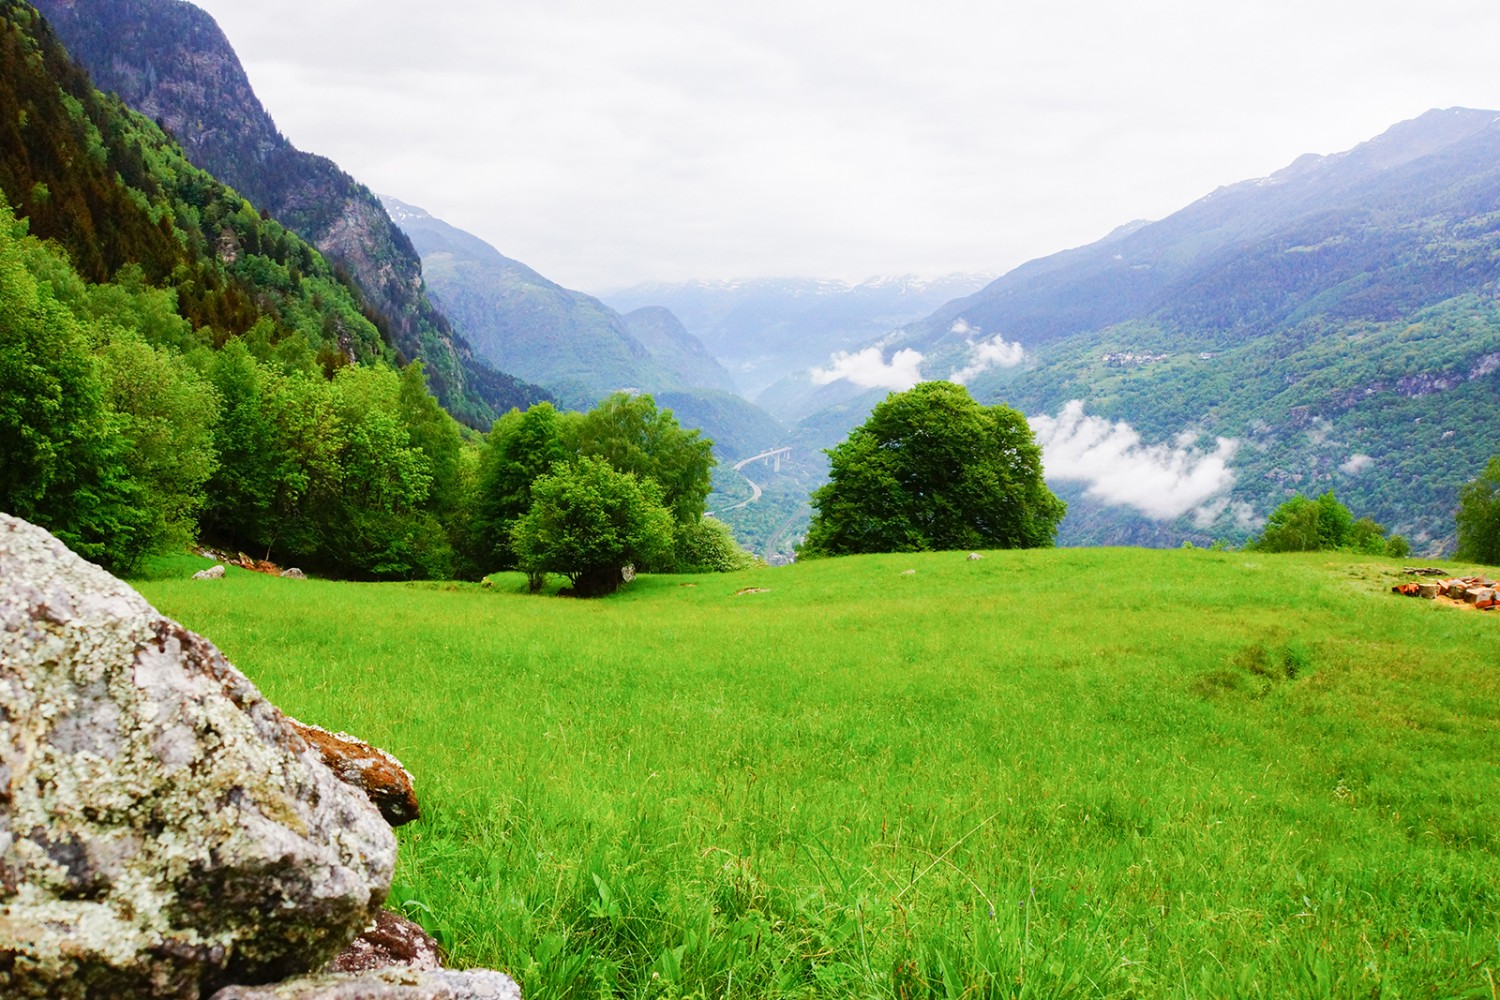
(385, 984)
(162, 831)
(370, 769)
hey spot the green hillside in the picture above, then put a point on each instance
(1114, 774)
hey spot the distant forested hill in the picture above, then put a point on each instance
(169, 60)
(1337, 321)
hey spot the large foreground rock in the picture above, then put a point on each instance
(387, 984)
(162, 833)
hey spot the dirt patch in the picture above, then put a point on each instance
(752, 590)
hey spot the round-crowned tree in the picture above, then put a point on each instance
(931, 469)
(588, 521)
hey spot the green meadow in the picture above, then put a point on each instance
(1062, 773)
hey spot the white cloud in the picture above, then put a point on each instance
(996, 352)
(1356, 464)
(1319, 431)
(962, 328)
(868, 369)
(1246, 518)
(1242, 514)
(1160, 481)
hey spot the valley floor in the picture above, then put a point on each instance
(1064, 773)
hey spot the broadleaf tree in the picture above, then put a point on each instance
(588, 521)
(932, 470)
(1479, 517)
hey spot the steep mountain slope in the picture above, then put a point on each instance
(577, 346)
(1335, 323)
(1378, 229)
(119, 197)
(169, 59)
(765, 330)
(679, 353)
(173, 363)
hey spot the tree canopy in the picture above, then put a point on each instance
(630, 435)
(587, 521)
(1479, 517)
(931, 469)
(1305, 524)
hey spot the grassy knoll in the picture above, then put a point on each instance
(1068, 773)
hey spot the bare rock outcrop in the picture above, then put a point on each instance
(386, 984)
(162, 831)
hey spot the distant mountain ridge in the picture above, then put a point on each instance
(577, 346)
(765, 329)
(1198, 264)
(169, 60)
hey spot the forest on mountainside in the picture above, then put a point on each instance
(174, 363)
(171, 62)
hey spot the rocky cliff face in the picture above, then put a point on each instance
(169, 60)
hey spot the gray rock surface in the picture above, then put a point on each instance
(294, 574)
(162, 834)
(212, 573)
(386, 984)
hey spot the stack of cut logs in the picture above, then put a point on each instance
(1476, 590)
(241, 560)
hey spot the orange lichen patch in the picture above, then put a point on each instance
(370, 769)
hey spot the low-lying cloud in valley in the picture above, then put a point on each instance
(1161, 481)
(996, 352)
(868, 369)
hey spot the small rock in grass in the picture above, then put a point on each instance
(212, 573)
(908, 572)
(392, 940)
(975, 557)
(385, 984)
(294, 574)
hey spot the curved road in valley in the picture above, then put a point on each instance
(755, 490)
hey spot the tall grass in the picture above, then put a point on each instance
(1070, 773)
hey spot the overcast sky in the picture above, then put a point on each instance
(606, 143)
